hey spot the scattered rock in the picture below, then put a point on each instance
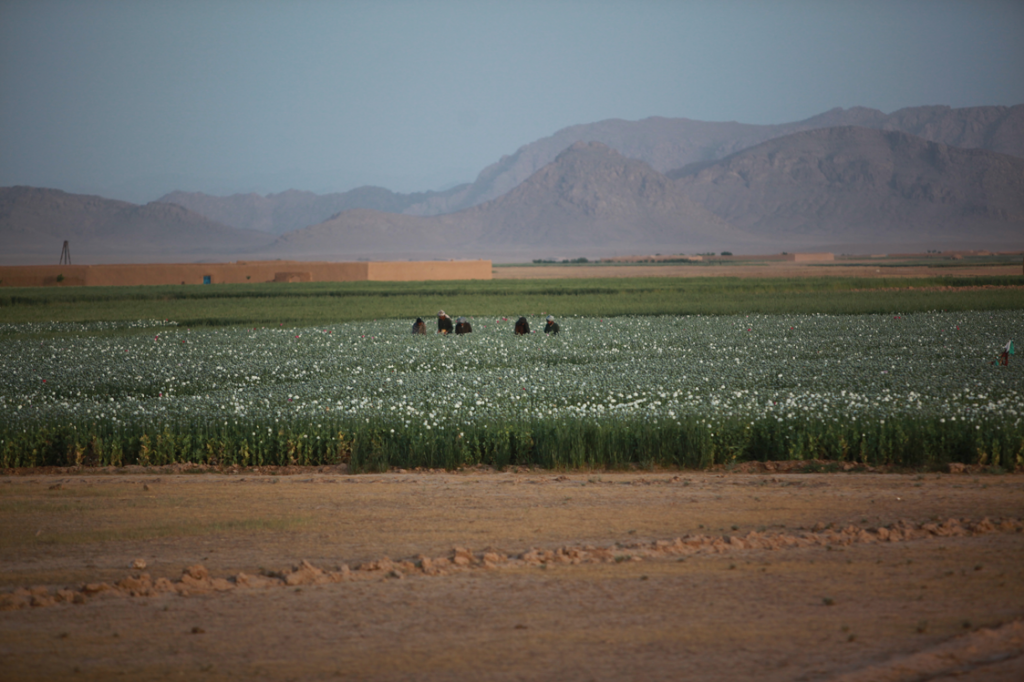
(247, 580)
(137, 584)
(65, 595)
(196, 572)
(984, 526)
(306, 574)
(40, 600)
(384, 564)
(196, 579)
(90, 589)
(461, 556)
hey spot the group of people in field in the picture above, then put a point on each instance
(462, 325)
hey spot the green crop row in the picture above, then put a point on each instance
(377, 445)
(327, 303)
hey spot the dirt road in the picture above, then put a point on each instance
(508, 576)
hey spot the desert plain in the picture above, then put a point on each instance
(759, 573)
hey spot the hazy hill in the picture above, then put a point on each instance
(592, 196)
(293, 209)
(365, 233)
(862, 184)
(35, 222)
(590, 199)
(868, 189)
(733, 186)
(997, 129)
(663, 143)
(668, 143)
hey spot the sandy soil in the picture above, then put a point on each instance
(747, 270)
(509, 576)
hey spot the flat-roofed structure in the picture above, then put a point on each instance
(241, 272)
(810, 257)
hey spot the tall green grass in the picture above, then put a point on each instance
(376, 445)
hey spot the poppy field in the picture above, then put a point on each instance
(917, 390)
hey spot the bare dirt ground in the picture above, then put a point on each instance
(748, 270)
(532, 575)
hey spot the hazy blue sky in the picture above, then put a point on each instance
(132, 99)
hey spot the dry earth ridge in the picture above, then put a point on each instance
(197, 580)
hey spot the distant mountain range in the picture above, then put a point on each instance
(854, 179)
(825, 188)
(854, 183)
(589, 198)
(35, 222)
(663, 143)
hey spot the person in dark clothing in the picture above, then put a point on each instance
(551, 327)
(522, 326)
(444, 323)
(462, 326)
(419, 326)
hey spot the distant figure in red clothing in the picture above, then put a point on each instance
(462, 326)
(1004, 357)
(522, 326)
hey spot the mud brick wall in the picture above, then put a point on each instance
(240, 272)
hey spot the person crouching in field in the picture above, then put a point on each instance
(444, 323)
(522, 326)
(419, 326)
(462, 326)
(551, 327)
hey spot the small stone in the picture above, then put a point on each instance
(95, 588)
(305, 574)
(137, 584)
(38, 600)
(196, 572)
(139, 564)
(64, 595)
